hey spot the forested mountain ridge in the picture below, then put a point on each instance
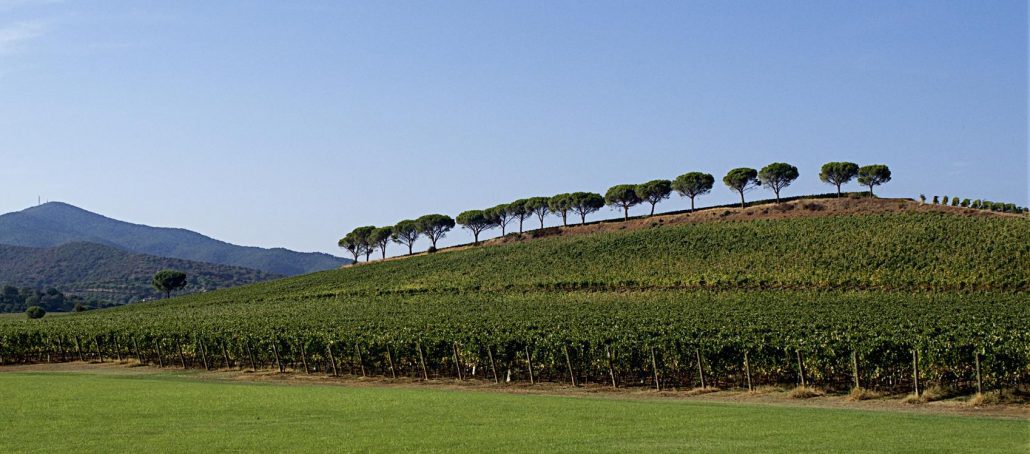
(55, 223)
(110, 274)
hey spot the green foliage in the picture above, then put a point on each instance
(840, 173)
(965, 202)
(777, 176)
(944, 200)
(873, 175)
(741, 179)
(380, 238)
(359, 242)
(104, 275)
(584, 203)
(406, 233)
(820, 287)
(654, 191)
(693, 184)
(13, 299)
(168, 281)
(476, 221)
(936, 201)
(539, 206)
(561, 204)
(623, 196)
(435, 226)
(519, 211)
(34, 312)
(502, 215)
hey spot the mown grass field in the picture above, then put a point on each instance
(105, 412)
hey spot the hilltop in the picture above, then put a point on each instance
(111, 274)
(55, 223)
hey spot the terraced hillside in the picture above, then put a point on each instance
(875, 297)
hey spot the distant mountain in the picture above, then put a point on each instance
(110, 274)
(55, 223)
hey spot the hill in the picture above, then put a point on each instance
(829, 294)
(55, 223)
(110, 274)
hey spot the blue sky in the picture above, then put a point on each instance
(290, 123)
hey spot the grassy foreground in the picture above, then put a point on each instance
(89, 412)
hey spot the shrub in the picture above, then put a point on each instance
(936, 201)
(954, 201)
(922, 198)
(976, 204)
(35, 312)
(944, 200)
(79, 307)
(965, 202)
(431, 249)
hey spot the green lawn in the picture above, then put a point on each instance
(87, 412)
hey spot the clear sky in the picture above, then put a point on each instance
(290, 123)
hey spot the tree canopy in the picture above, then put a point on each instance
(838, 173)
(406, 233)
(561, 204)
(654, 191)
(873, 175)
(741, 179)
(623, 196)
(476, 221)
(380, 237)
(519, 211)
(777, 176)
(502, 215)
(693, 184)
(538, 206)
(168, 281)
(584, 203)
(435, 226)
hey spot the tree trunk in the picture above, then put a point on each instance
(529, 362)
(979, 383)
(304, 358)
(422, 360)
(568, 363)
(582, 218)
(411, 248)
(854, 369)
(253, 362)
(654, 368)
(691, 204)
(565, 219)
(870, 190)
(493, 365)
(278, 360)
(78, 349)
(182, 357)
(100, 354)
(361, 361)
(915, 371)
(383, 247)
(135, 347)
(652, 209)
(700, 369)
(801, 369)
(457, 361)
(541, 221)
(475, 237)
(225, 356)
(838, 190)
(747, 371)
(777, 192)
(203, 354)
(520, 225)
(625, 213)
(611, 368)
(741, 191)
(160, 357)
(332, 360)
(389, 358)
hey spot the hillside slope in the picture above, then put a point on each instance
(55, 223)
(658, 304)
(110, 274)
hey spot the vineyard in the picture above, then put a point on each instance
(889, 302)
